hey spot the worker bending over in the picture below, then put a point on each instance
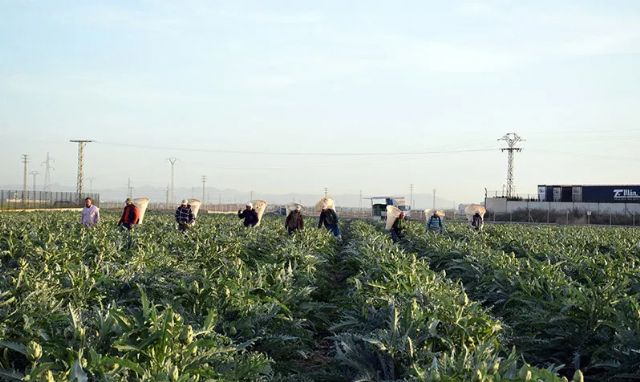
(329, 218)
(397, 228)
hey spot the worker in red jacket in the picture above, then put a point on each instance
(130, 215)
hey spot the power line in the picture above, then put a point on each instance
(291, 153)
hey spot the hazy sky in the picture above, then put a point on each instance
(323, 76)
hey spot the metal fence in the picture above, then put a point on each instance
(20, 200)
(574, 217)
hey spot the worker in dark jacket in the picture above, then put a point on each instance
(184, 216)
(249, 215)
(397, 228)
(130, 215)
(476, 222)
(295, 220)
(435, 223)
(329, 218)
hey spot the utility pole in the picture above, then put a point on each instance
(511, 139)
(411, 196)
(25, 161)
(361, 201)
(251, 196)
(81, 143)
(34, 174)
(434, 198)
(167, 196)
(326, 192)
(47, 173)
(129, 188)
(204, 181)
(173, 195)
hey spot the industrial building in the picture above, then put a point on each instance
(612, 199)
(589, 194)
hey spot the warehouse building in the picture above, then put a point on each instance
(616, 199)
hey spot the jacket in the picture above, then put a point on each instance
(435, 224)
(130, 215)
(328, 217)
(294, 221)
(250, 217)
(398, 225)
(184, 215)
(477, 221)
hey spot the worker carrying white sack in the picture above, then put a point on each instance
(295, 219)
(395, 223)
(249, 215)
(475, 216)
(328, 216)
(185, 216)
(435, 224)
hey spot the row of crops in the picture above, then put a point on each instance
(225, 303)
(567, 296)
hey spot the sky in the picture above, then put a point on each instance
(263, 95)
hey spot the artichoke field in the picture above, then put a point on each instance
(567, 295)
(225, 303)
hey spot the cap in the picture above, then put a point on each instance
(185, 201)
(250, 205)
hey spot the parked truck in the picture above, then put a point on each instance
(379, 205)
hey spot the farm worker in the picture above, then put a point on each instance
(435, 223)
(249, 215)
(295, 220)
(397, 228)
(329, 218)
(130, 215)
(476, 221)
(90, 213)
(184, 216)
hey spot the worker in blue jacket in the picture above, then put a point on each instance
(434, 224)
(329, 219)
